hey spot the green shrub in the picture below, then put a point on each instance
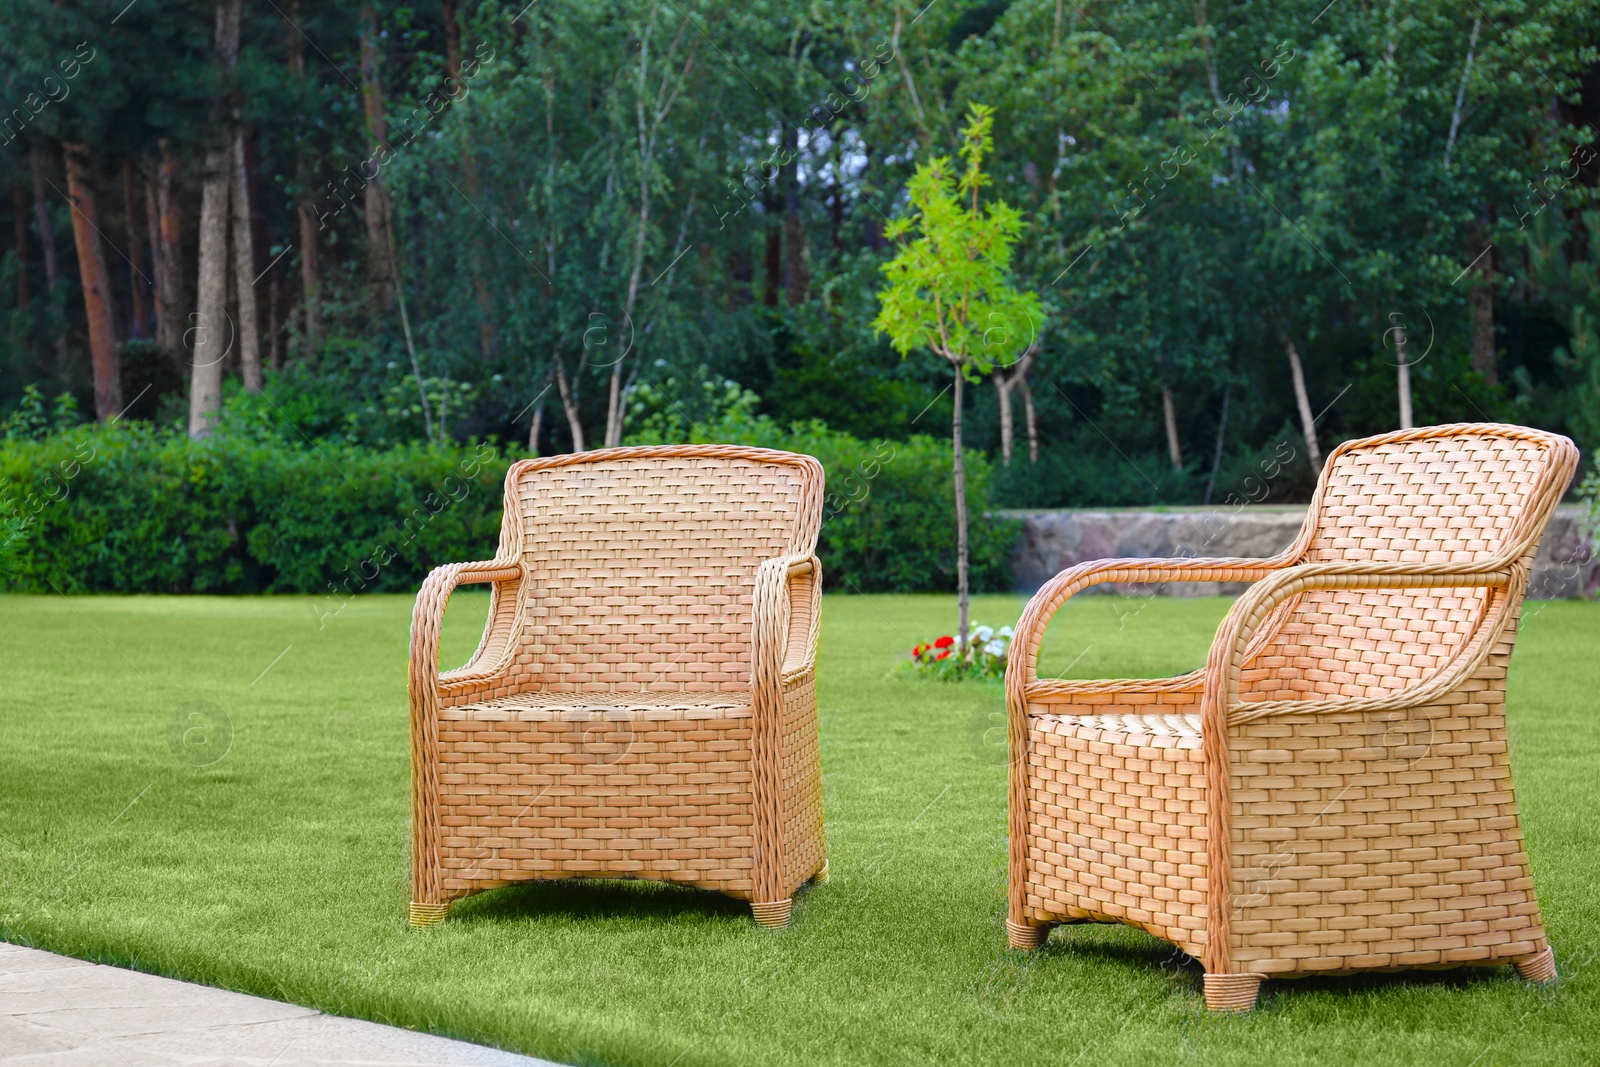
(132, 508)
(129, 508)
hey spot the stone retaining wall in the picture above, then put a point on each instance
(1052, 541)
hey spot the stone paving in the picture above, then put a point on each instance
(60, 1012)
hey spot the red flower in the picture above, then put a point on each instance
(919, 650)
(943, 654)
(944, 642)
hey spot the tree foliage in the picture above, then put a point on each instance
(591, 199)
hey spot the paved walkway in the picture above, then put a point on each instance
(60, 1011)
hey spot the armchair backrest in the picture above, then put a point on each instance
(640, 563)
(1441, 494)
(1464, 494)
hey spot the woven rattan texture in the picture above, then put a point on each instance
(621, 790)
(1348, 643)
(639, 573)
(1120, 832)
(1381, 841)
(1447, 499)
(1450, 498)
(801, 776)
(623, 716)
(1332, 792)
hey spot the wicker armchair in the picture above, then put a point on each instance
(643, 702)
(1331, 792)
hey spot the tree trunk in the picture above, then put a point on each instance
(244, 269)
(646, 133)
(275, 322)
(1002, 395)
(96, 285)
(259, 230)
(1029, 420)
(1006, 379)
(536, 424)
(469, 176)
(306, 209)
(960, 472)
(382, 259)
(212, 331)
(1482, 299)
(211, 336)
(139, 322)
(772, 284)
(910, 82)
(799, 273)
(19, 222)
(452, 38)
(615, 398)
(167, 253)
(158, 295)
(1169, 417)
(1403, 376)
(1216, 455)
(310, 283)
(796, 278)
(41, 207)
(411, 347)
(1308, 424)
(569, 399)
(380, 264)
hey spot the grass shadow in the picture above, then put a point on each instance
(1377, 981)
(588, 899)
(1127, 946)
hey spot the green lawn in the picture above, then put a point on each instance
(281, 869)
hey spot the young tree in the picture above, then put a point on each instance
(949, 291)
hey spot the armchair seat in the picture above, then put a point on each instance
(1332, 791)
(532, 707)
(1178, 730)
(650, 787)
(643, 701)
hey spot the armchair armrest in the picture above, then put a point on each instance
(1231, 648)
(427, 619)
(786, 614)
(1021, 672)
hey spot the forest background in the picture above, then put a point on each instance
(302, 261)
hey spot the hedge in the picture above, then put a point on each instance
(131, 508)
(128, 508)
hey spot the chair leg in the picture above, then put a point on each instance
(420, 914)
(1232, 992)
(1023, 936)
(1538, 968)
(822, 875)
(773, 913)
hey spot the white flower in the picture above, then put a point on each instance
(982, 633)
(1007, 632)
(995, 649)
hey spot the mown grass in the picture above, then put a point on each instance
(281, 869)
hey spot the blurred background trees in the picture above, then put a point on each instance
(562, 224)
